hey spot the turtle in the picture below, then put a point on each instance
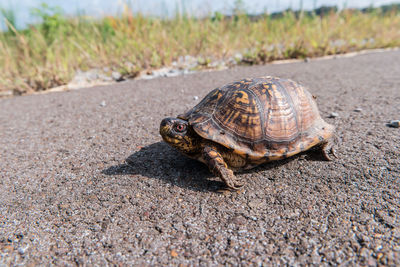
(245, 123)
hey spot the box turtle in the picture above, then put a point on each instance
(243, 124)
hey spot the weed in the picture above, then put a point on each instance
(49, 53)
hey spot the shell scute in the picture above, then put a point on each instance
(238, 114)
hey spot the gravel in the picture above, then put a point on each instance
(68, 197)
(333, 115)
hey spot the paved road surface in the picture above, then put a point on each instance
(68, 198)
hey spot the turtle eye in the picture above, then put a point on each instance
(180, 127)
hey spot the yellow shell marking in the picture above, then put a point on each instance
(243, 99)
(266, 86)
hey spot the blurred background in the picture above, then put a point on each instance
(166, 8)
(22, 9)
(48, 44)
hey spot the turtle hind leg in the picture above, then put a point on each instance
(218, 166)
(328, 150)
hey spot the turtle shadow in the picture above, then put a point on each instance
(160, 161)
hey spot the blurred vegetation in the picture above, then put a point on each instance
(48, 54)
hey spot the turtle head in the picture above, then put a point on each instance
(178, 133)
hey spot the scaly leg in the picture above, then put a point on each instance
(328, 150)
(217, 165)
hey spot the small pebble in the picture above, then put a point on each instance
(393, 124)
(103, 103)
(333, 115)
(174, 254)
(195, 97)
(358, 110)
(22, 250)
(116, 76)
(239, 220)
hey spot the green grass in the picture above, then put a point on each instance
(48, 54)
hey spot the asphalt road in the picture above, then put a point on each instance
(67, 196)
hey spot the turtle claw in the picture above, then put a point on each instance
(218, 166)
(230, 180)
(328, 151)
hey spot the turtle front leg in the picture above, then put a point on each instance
(218, 166)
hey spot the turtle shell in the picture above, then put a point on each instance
(264, 117)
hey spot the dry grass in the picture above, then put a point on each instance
(48, 54)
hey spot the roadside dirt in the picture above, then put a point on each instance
(67, 196)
